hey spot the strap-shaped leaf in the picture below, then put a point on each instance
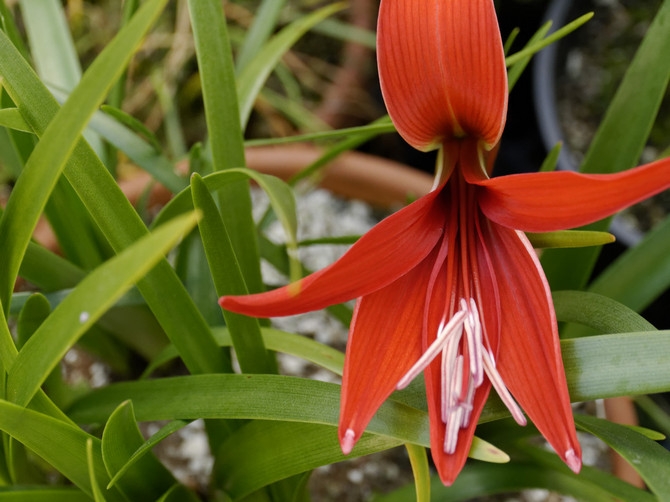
(594, 367)
(647, 457)
(87, 302)
(148, 479)
(117, 219)
(619, 140)
(45, 165)
(62, 445)
(253, 76)
(229, 279)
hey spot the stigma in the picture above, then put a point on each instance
(465, 360)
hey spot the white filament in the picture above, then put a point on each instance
(456, 405)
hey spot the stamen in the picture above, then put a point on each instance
(476, 348)
(501, 389)
(467, 403)
(453, 427)
(455, 324)
(347, 443)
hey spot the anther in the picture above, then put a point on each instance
(455, 324)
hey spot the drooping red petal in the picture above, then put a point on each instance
(529, 358)
(444, 287)
(544, 202)
(384, 343)
(442, 70)
(389, 250)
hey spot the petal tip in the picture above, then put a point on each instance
(348, 441)
(573, 461)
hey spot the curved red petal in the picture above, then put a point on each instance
(389, 250)
(544, 202)
(384, 343)
(529, 358)
(442, 70)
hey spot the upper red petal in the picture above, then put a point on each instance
(389, 250)
(529, 358)
(442, 70)
(544, 202)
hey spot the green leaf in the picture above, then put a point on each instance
(647, 457)
(570, 239)
(46, 163)
(641, 274)
(228, 279)
(12, 119)
(279, 193)
(42, 494)
(253, 76)
(219, 90)
(598, 312)
(87, 302)
(480, 480)
(371, 129)
(60, 444)
(119, 222)
(595, 368)
(619, 140)
(90, 459)
(279, 341)
(148, 479)
(146, 447)
(265, 22)
(36, 309)
(531, 49)
(517, 68)
(132, 123)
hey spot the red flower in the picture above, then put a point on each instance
(450, 285)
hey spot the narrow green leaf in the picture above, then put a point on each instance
(47, 270)
(551, 160)
(641, 274)
(595, 368)
(273, 339)
(42, 494)
(179, 493)
(12, 119)
(419, 461)
(647, 457)
(253, 76)
(619, 140)
(90, 459)
(598, 312)
(53, 50)
(539, 45)
(62, 445)
(570, 239)
(516, 69)
(228, 279)
(148, 479)
(132, 123)
(119, 222)
(265, 22)
(87, 302)
(656, 413)
(146, 447)
(219, 91)
(36, 309)
(371, 129)
(280, 195)
(46, 163)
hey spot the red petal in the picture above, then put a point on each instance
(442, 70)
(544, 202)
(384, 343)
(529, 358)
(442, 291)
(389, 250)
